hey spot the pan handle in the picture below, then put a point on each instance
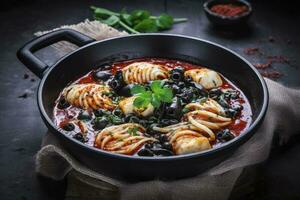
(26, 56)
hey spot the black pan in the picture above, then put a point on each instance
(93, 54)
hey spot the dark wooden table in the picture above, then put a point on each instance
(21, 128)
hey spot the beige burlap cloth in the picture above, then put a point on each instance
(53, 161)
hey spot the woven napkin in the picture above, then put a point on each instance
(53, 160)
(94, 29)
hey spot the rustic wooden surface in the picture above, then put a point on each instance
(20, 123)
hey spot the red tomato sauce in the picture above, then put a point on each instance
(239, 124)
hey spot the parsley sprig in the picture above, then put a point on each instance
(133, 131)
(138, 21)
(155, 95)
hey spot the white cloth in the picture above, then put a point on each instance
(283, 115)
(53, 160)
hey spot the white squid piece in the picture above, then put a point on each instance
(188, 141)
(206, 122)
(207, 78)
(122, 138)
(198, 131)
(127, 107)
(88, 96)
(208, 105)
(143, 72)
(201, 121)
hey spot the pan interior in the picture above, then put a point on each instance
(199, 52)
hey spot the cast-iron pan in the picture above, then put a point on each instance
(91, 54)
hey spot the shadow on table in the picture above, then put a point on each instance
(54, 189)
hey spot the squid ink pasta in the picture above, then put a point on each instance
(152, 107)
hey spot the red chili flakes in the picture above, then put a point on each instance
(265, 68)
(263, 65)
(252, 51)
(278, 59)
(271, 74)
(229, 10)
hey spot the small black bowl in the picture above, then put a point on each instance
(222, 20)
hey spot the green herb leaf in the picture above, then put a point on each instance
(156, 96)
(147, 96)
(102, 12)
(135, 22)
(166, 95)
(128, 28)
(136, 89)
(125, 17)
(155, 101)
(114, 119)
(146, 26)
(156, 86)
(139, 15)
(140, 102)
(133, 131)
(111, 21)
(143, 99)
(164, 22)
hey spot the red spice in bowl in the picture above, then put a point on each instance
(229, 10)
(227, 13)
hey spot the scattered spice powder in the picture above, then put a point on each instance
(229, 10)
(271, 60)
(271, 74)
(252, 51)
(278, 59)
(263, 65)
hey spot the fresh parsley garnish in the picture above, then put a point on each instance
(138, 21)
(133, 131)
(114, 119)
(155, 95)
(136, 89)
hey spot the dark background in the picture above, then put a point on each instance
(21, 129)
